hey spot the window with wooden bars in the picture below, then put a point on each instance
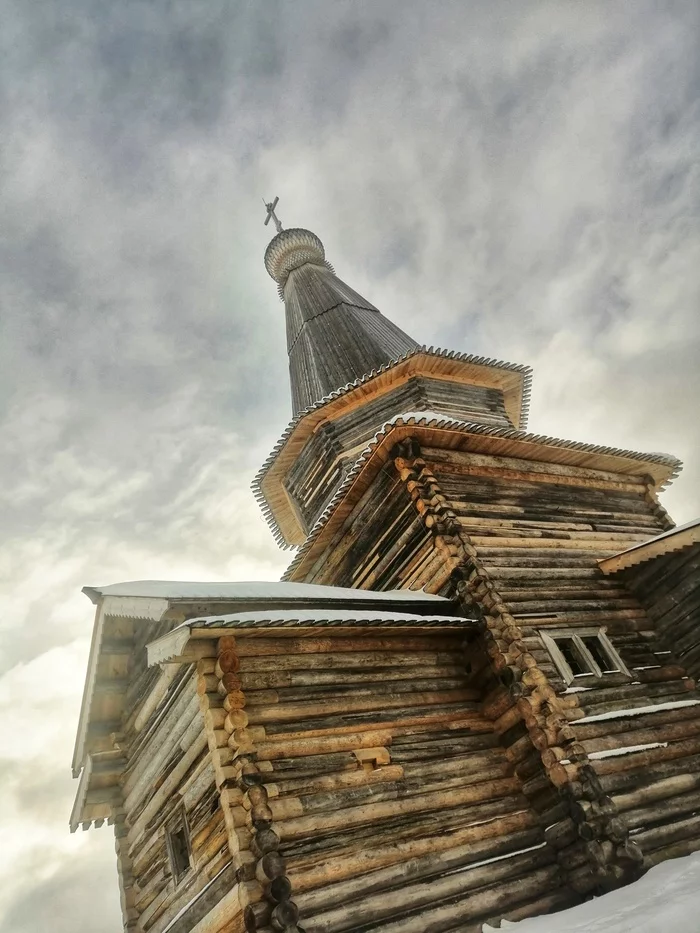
(583, 653)
(177, 839)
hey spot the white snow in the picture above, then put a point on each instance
(173, 589)
(627, 750)
(665, 900)
(637, 711)
(496, 858)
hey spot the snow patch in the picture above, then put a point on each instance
(173, 589)
(666, 899)
(636, 711)
(616, 752)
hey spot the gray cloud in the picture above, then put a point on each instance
(521, 183)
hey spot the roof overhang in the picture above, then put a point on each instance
(125, 607)
(118, 605)
(179, 645)
(674, 540)
(437, 431)
(512, 379)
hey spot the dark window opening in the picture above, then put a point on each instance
(179, 848)
(600, 655)
(573, 657)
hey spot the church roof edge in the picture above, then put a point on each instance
(520, 368)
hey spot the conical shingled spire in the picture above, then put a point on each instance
(334, 335)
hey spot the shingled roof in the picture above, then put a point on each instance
(334, 335)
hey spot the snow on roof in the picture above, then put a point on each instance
(675, 539)
(252, 590)
(666, 899)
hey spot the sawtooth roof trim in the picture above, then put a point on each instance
(676, 539)
(290, 622)
(436, 420)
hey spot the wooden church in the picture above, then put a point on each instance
(471, 697)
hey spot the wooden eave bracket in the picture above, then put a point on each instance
(131, 607)
(95, 804)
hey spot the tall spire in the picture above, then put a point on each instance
(334, 335)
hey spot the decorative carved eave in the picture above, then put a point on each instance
(104, 688)
(98, 790)
(674, 540)
(512, 379)
(433, 430)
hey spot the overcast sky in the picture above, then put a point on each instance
(514, 180)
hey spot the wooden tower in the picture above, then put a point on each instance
(468, 699)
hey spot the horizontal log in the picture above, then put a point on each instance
(322, 783)
(307, 852)
(353, 689)
(662, 836)
(271, 679)
(357, 816)
(270, 751)
(294, 712)
(377, 643)
(398, 722)
(419, 862)
(671, 786)
(499, 832)
(651, 756)
(625, 781)
(603, 727)
(439, 455)
(642, 736)
(451, 889)
(676, 850)
(663, 811)
(347, 660)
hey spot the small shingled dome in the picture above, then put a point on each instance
(291, 249)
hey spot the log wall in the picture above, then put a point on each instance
(169, 771)
(373, 787)
(669, 588)
(384, 545)
(331, 450)
(518, 542)
(658, 789)
(535, 532)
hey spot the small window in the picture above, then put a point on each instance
(178, 843)
(583, 653)
(602, 658)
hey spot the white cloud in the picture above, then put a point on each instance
(518, 183)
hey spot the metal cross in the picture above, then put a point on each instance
(271, 214)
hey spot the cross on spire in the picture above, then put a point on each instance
(271, 214)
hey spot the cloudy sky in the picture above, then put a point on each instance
(514, 180)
